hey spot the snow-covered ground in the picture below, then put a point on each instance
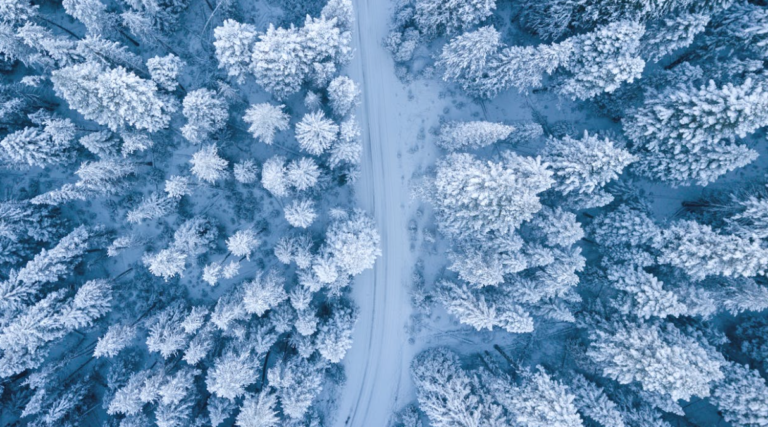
(378, 379)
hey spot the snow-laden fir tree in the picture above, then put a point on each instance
(334, 335)
(263, 293)
(92, 13)
(348, 148)
(435, 17)
(468, 135)
(343, 95)
(40, 146)
(584, 165)
(557, 227)
(742, 396)
(284, 58)
(316, 133)
(592, 402)
(671, 34)
(265, 120)
(167, 263)
(649, 298)
(48, 266)
(474, 197)
(353, 243)
(466, 60)
(300, 213)
(625, 226)
(302, 174)
(243, 243)
(166, 332)
(700, 251)
(693, 117)
(135, 141)
(245, 171)
(602, 60)
(231, 373)
(234, 47)
(205, 112)
(297, 382)
(658, 356)
(177, 187)
(208, 166)
(444, 390)
(484, 308)
(165, 70)
(152, 207)
(113, 97)
(273, 176)
(259, 411)
(542, 401)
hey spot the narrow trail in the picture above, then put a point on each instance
(377, 364)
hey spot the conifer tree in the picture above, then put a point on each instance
(113, 97)
(265, 120)
(205, 112)
(234, 47)
(660, 357)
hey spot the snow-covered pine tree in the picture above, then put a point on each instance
(298, 382)
(473, 197)
(245, 172)
(334, 335)
(300, 213)
(671, 34)
(585, 165)
(48, 266)
(263, 293)
(114, 340)
(92, 13)
(541, 401)
(113, 97)
(466, 60)
(468, 135)
(208, 166)
(234, 46)
(700, 252)
(592, 402)
(243, 243)
(316, 133)
(265, 120)
(343, 95)
(35, 146)
(206, 113)
(602, 60)
(165, 70)
(658, 356)
(273, 176)
(302, 174)
(231, 373)
(353, 243)
(741, 396)
(444, 389)
(484, 308)
(435, 17)
(258, 411)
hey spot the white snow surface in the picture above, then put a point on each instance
(377, 365)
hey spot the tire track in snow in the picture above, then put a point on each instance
(375, 363)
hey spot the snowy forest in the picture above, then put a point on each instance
(384, 213)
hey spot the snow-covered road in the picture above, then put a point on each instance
(377, 364)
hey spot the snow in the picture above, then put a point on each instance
(377, 365)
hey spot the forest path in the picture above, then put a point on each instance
(377, 364)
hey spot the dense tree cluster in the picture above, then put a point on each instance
(559, 229)
(162, 263)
